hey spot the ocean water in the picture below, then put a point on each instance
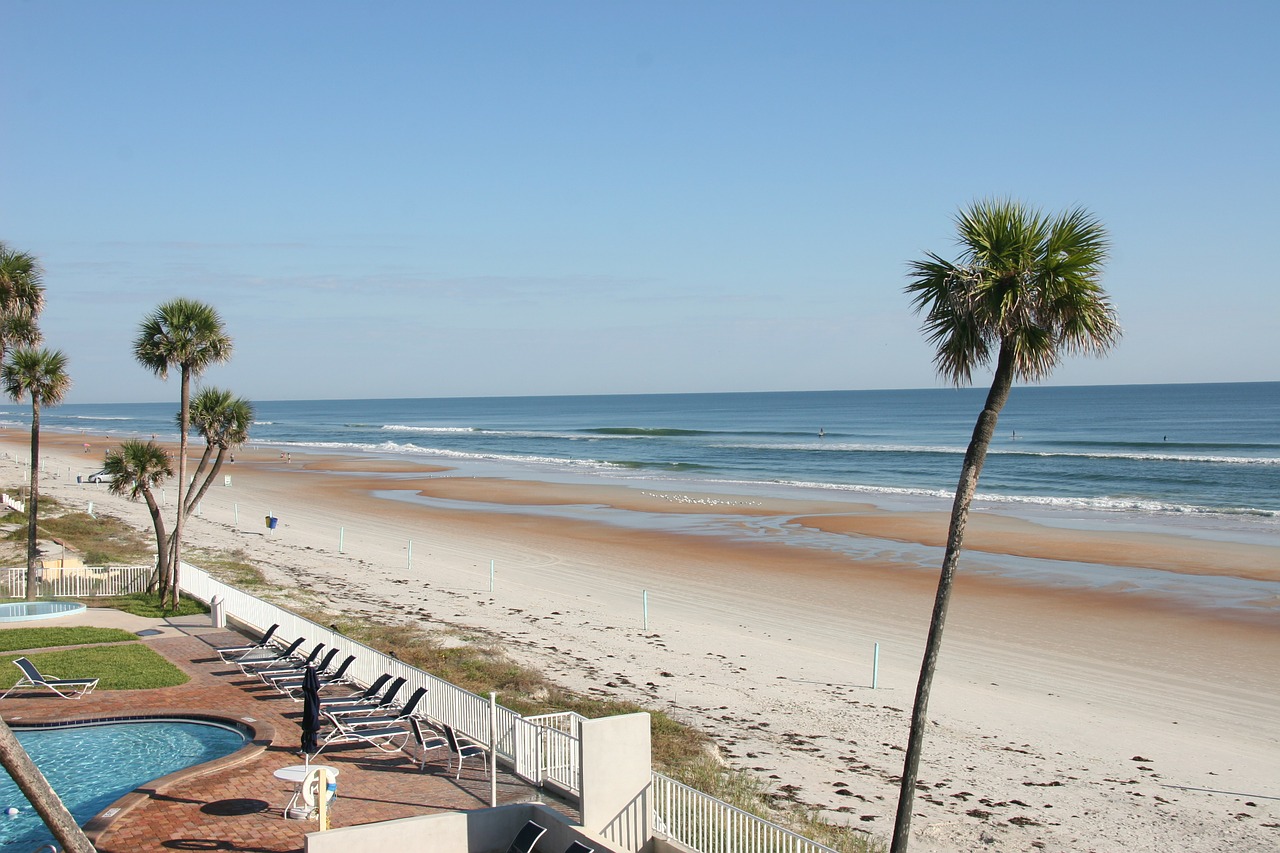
(1198, 460)
(1205, 449)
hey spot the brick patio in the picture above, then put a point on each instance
(239, 808)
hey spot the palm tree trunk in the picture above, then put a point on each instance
(161, 574)
(37, 790)
(33, 500)
(175, 568)
(194, 495)
(974, 457)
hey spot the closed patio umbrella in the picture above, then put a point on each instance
(310, 712)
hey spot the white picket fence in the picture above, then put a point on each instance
(79, 582)
(708, 825)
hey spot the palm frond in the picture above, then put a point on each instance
(1022, 282)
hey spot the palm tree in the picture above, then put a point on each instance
(223, 420)
(21, 299)
(189, 336)
(1024, 291)
(135, 469)
(42, 374)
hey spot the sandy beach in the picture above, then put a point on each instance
(1063, 719)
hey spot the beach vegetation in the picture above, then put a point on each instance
(40, 374)
(187, 336)
(135, 469)
(232, 567)
(1023, 293)
(101, 540)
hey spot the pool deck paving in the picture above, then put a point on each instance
(237, 804)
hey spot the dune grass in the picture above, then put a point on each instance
(47, 638)
(120, 667)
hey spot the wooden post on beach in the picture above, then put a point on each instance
(342, 532)
(875, 667)
(644, 598)
(491, 576)
(235, 513)
(164, 498)
(409, 561)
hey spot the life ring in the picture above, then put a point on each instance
(311, 788)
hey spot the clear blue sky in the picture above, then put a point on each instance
(472, 199)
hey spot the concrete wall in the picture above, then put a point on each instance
(481, 831)
(617, 772)
(446, 833)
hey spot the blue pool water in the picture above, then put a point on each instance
(25, 611)
(91, 766)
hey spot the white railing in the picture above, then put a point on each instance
(79, 582)
(708, 825)
(12, 503)
(558, 736)
(541, 749)
(536, 752)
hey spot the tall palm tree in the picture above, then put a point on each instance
(189, 336)
(21, 299)
(1025, 292)
(135, 470)
(41, 374)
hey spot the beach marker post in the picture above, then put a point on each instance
(409, 561)
(644, 598)
(342, 532)
(235, 510)
(875, 667)
(91, 515)
(491, 576)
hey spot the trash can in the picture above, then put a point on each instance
(79, 479)
(218, 612)
(271, 522)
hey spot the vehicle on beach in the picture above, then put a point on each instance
(99, 477)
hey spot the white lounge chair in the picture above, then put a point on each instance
(230, 653)
(31, 677)
(254, 661)
(386, 738)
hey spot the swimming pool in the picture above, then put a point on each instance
(23, 611)
(91, 765)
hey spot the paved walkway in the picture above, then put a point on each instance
(238, 808)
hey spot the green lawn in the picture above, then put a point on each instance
(131, 667)
(148, 605)
(48, 638)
